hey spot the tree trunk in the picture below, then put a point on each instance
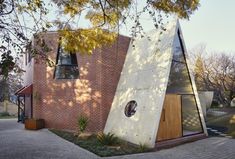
(5, 94)
(5, 105)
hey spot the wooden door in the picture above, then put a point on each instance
(170, 126)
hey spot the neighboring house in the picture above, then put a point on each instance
(143, 94)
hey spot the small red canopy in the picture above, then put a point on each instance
(25, 90)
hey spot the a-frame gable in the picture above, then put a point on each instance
(192, 80)
(142, 87)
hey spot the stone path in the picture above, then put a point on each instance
(210, 148)
(216, 132)
(17, 143)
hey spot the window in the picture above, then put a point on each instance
(190, 116)
(28, 55)
(180, 83)
(179, 80)
(66, 65)
(130, 108)
(25, 55)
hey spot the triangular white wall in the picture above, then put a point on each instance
(144, 79)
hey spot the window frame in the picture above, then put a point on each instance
(28, 54)
(72, 55)
(200, 120)
(193, 90)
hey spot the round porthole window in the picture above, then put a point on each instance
(130, 108)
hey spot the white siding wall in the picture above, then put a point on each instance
(28, 75)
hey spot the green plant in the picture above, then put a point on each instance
(143, 147)
(82, 122)
(107, 139)
(93, 145)
(4, 114)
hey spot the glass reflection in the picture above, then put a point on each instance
(67, 66)
(179, 81)
(190, 116)
(66, 72)
(178, 51)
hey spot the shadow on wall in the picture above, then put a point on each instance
(144, 79)
(60, 101)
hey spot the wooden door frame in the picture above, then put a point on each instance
(177, 116)
(184, 138)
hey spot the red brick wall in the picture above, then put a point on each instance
(60, 101)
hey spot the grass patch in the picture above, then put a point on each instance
(226, 121)
(8, 117)
(93, 145)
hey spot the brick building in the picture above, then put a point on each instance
(79, 84)
(144, 94)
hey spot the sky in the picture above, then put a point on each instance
(212, 24)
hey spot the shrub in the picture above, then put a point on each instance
(107, 139)
(3, 114)
(143, 147)
(82, 122)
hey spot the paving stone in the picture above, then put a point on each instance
(18, 143)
